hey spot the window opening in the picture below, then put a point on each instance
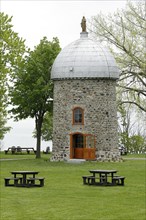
(78, 116)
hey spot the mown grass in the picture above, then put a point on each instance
(64, 197)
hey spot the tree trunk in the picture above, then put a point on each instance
(39, 121)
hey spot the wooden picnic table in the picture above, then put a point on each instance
(14, 150)
(24, 176)
(103, 178)
(24, 179)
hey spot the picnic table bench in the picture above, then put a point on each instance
(118, 180)
(88, 180)
(103, 178)
(8, 179)
(18, 149)
(23, 179)
(32, 181)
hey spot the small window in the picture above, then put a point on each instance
(78, 116)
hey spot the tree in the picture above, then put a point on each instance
(12, 49)
(137, 144)
(131, 129)
(47, 127)
(32, 90)
(125, 125)
(125, 34)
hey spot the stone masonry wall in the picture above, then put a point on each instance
(98, 99)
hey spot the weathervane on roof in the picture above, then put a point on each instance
(83, 24)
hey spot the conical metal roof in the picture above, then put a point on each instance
(84, 58)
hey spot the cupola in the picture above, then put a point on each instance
(84, 58)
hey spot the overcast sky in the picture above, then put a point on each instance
(33, 20)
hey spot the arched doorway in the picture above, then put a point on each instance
(82, 146)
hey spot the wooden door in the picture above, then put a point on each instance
(78, 144)
(82, 146)
(78, 153)
(89, 148)
(89, 154)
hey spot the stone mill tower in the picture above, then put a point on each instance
(84, 107)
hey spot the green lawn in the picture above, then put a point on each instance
(64, 197)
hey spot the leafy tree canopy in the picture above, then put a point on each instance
(32, 90)
(12, 49)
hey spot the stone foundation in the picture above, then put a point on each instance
(101, 156)
(108, 156)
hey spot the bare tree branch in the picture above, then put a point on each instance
(124, 32)
(134, 103)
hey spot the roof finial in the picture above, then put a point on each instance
(83, 24)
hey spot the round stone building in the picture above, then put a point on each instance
(84, 106)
